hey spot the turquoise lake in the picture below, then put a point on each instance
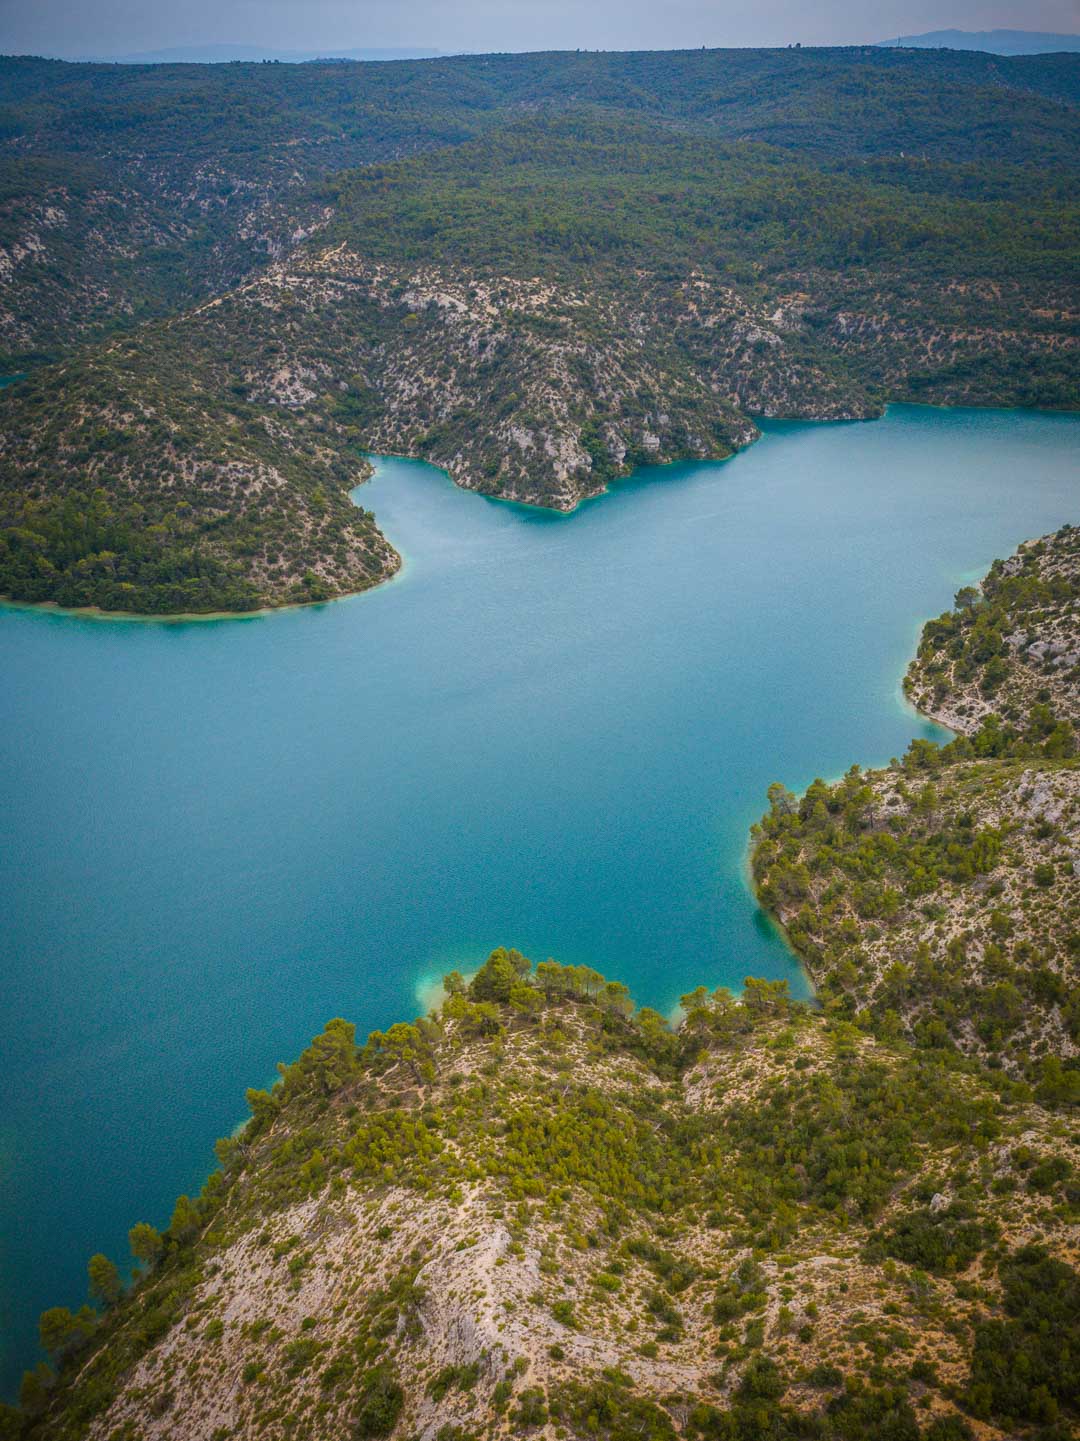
(550, 732)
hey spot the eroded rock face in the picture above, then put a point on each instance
(500, 380)
(536, 390)
(531, 389)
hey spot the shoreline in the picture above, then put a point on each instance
(908, 707)
(93, 612)
(760, 422)
(188, 617)
(177, 617)
(774, 924)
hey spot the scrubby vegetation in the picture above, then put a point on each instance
(952, 874)
(128, 191)
(162, 501)
(535, 271)
(937, 901)
(904, 889)
(541, 1211)
(1010, 648)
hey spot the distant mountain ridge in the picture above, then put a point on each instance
(226, 54)
(996, 42)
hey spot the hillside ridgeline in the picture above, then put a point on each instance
(128, 191)
(541, 1213)
(551, 294)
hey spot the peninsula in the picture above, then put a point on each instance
(539, 1211)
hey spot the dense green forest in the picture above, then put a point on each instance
(571, 192)
(860, 100)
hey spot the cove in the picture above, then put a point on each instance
(549, 732)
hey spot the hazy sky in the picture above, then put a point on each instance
(80, 27)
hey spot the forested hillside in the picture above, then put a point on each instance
(539, 1212)
(1011, 647)
(939, 899)
(129, 190)
(534, 271)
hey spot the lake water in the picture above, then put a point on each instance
(550, 732)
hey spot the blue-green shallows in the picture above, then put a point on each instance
(551, 732)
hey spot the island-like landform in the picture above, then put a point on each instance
(541, 1212)
(1010, 648)
(941, 896)
(226, 285)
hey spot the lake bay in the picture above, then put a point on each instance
(549, 732)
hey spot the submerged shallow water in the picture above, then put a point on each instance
(550, 732)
